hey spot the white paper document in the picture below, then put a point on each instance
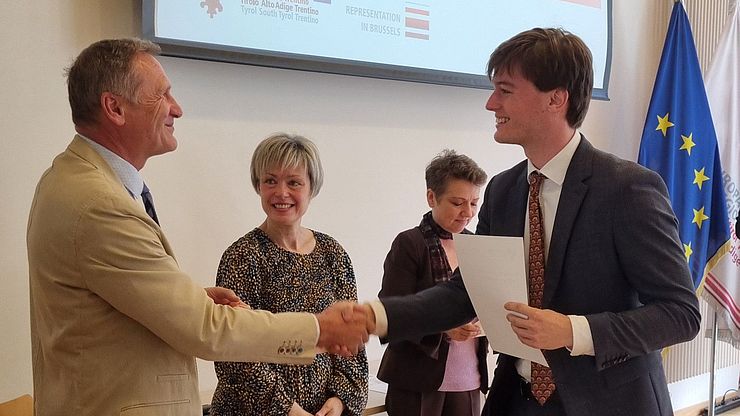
(493, 270)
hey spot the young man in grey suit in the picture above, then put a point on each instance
(115, 324)
(599, 230)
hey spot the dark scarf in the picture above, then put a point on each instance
(432, 233)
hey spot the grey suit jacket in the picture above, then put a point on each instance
(115, 324)
(615, 258)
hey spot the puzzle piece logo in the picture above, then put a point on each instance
(214, 6)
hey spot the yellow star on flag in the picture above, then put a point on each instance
(663, 124)
(687, 251)
(688, 143)
(699, 217)
(700, 178)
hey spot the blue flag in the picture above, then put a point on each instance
(679, 142)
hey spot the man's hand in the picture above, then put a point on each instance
(224, 296)
(297, 410)
(332, 407)
(360, 309)
(543, 329)
(369, 316)
(464, 333)
(343, 328)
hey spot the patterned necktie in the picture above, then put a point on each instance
(542, 382)
(149, 203)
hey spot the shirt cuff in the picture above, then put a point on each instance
(381, 319)
(583, 342)
(318, 333)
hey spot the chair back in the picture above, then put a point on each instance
(21, 406)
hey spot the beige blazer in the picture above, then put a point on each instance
(115, 324)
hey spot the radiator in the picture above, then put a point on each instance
(692, 358)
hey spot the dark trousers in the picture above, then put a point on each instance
(524, 404)
(399, 402)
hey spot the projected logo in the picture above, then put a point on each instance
(417, 21)
(214, 7)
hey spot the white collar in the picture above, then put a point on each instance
(556, 168)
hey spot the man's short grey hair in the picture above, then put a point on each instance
(104, 66)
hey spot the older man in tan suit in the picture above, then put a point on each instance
(115, 324)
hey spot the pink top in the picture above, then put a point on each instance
(461, 369)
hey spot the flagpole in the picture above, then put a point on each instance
(710, 406)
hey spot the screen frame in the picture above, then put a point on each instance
(258, 57)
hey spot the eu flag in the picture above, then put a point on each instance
(679, 142)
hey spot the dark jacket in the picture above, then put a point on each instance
(419, 364)
(614, 257)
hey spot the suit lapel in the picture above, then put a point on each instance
(515, 197)
(571, 197)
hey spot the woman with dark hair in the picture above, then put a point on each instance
(441, 374)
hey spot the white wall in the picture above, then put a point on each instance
(375, 136)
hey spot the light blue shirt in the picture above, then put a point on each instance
(126, 172)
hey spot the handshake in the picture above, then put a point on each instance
(345, 327)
